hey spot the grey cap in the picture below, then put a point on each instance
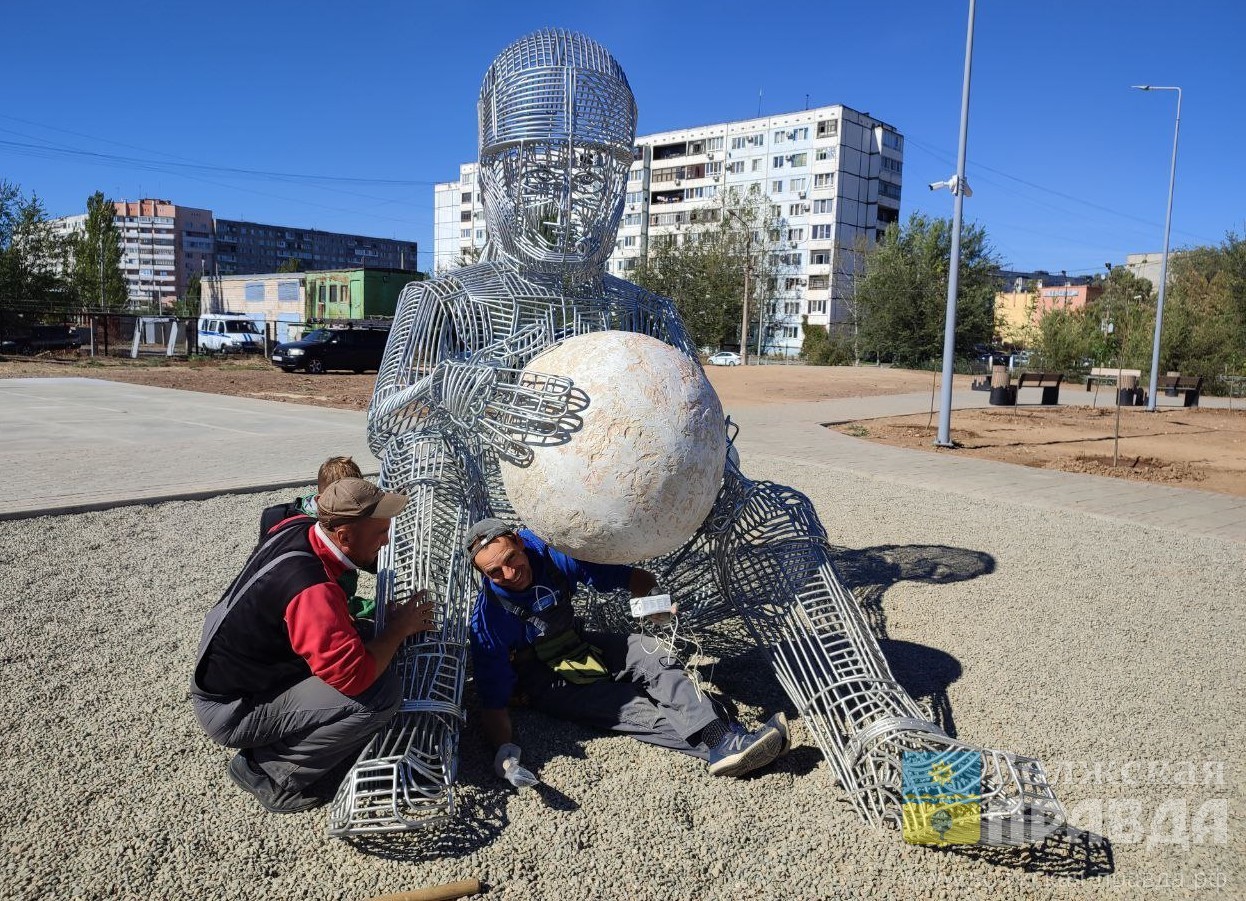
(483, 532)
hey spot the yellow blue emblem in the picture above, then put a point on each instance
(942, 797)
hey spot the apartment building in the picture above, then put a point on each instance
(164, 244)
(251, 247)
(834, 174)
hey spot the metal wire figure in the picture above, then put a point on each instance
(557, 125)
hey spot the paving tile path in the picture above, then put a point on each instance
(77, 444)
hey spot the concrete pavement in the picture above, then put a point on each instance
(74, 444)
(796, 433)
(78, 444)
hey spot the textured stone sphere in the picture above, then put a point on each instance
(642, 474)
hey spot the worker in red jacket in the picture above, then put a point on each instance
(282, 672)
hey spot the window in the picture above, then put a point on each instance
(816, 306)
(889, 190)
(819, 282)
(777, 162)
(636, 175)
(663, 175)
(791, 283)
(822, 206)
(776, 186)
(480, 234)
(825, 153)
(822, 233)
(633, 219)
(893, 165)
(629, 241)
(634, 197)
(465, 233)
(828, 127)
(714, 144)
(466, 215)
(468, 178)
(797, 184)
(778, 137)
(791, 308)
(736, 168)
(798, 159)
(756, 161)
(795, 234)
(800, 134)
(466, 198)
(892, 140)
(789, 331)
(824, 180)
(713, 170)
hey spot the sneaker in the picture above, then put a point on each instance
(742, 752)
(248, 777)
(778, 722)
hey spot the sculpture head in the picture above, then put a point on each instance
(557, 127)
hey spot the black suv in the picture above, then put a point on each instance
(319, 351)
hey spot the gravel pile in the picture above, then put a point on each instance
(1072, 638)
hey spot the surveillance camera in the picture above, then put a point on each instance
(936, 185)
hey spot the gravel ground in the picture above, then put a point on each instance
(1113, 655)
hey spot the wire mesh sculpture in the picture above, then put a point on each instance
(452, 401)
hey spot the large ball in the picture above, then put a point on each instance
(642, 474)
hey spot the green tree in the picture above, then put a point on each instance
(96, 256)
(32, 254)
(702, 268)
(292, 264)
(189, 304)
(903, 294)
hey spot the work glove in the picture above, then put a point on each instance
(506, 765)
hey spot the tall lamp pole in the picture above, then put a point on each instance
(748, 268)
(1163, 268)
(960, 190)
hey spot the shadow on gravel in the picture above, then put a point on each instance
(924, 672)
(1069, 853)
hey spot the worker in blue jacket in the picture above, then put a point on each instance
(525, 641)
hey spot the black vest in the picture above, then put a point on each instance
(249, 652)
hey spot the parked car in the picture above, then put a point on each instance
(724, 358)
(356, 349)
(38, 338)
(227, 333)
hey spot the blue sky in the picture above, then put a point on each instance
(343, 116)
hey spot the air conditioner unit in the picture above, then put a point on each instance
(802, 195)
(709, 156)
(791, 135)
(808, 207)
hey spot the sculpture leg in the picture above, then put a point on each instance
(774, 568)
(404, 778)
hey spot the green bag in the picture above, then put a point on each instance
(571, 657)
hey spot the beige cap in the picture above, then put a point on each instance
(350, 499)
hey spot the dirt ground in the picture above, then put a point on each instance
(736, 385)
(1191, 448)
(1196, 448)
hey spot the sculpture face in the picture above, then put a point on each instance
(557, 125)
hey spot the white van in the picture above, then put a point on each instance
(229, 333)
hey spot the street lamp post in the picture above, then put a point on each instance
(748, 268)
(960, 190)
(1163, 269)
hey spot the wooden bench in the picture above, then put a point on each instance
(1108, 375)
(1172, 385)
(1049, 382)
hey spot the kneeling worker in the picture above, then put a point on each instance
(282, 672)
(524, 640)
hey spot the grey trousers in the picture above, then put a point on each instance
(649, 696)
(298, 735)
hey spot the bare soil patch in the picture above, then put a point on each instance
(1191, 448)
(736, 385)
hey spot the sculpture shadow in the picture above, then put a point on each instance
(924, 672)
(1068, 853)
